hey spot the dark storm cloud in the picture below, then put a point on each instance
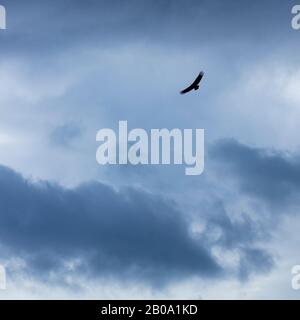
(128, 232)
(266, 174)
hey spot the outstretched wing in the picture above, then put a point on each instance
(188, 89)
(198, 79)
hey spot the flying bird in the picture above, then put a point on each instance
(194, 85)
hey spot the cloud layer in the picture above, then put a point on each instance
(141, 236)
(72, 67)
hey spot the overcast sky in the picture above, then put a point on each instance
(73, 229)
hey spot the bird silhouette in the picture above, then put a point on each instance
(194, 85)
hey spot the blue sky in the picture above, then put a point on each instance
(73, 229)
